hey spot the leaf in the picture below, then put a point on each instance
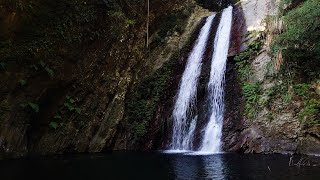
(35, 67)
(69, 106)
(22, 82)
(78, 110)
(34, 106)
(71, 100)
(53, 125)
(57, 117)
(3, 65)
(50, 72)
(42, 63)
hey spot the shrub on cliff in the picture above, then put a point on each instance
(299, 42)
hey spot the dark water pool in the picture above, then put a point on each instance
(152, 166)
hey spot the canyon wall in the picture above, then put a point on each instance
(260, 117)
(79, 77)
(69, 68)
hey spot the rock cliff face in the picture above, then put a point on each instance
(149, 104)
(256, 11)
(68, 70)
(65, 79)
(78, 76)
(275, 127)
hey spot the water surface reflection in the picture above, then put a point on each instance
(156, 166)
(198, 166)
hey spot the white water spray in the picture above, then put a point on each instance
(183, 126)
(212, 138)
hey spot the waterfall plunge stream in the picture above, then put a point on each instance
(212, 138)
(184, 126)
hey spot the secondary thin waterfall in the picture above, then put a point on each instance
(212, 137)
(183, 126)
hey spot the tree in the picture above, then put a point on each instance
(148, 16)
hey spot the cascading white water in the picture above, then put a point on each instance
(212, 137)
(183, 127)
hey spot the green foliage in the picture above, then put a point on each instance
(34, 67)
(5, 107)
(267, 97)
(120, 17)
(252, 95)
(251, 90)
(310, 112)
(18, 5)
(244, 59)
(244, 70)
(22, 82)
(139, 129)
(3, 65)
(117, 14)
(299, 42)
(70, 105)
(42, 35)
(287, 97)
(42, 64)
(57, 117)
(49, 71)
(157, 39)
(270, 116)
(309, 115)
(44, 67)
(130, 22)
(173, 22)
(33, 106)
(78, 110)
(145, 97)
(302, 89)
(53, 125)
(299, 45)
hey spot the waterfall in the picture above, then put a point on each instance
(212, 137)
(183, 124)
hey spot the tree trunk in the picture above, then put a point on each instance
(148, 23)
